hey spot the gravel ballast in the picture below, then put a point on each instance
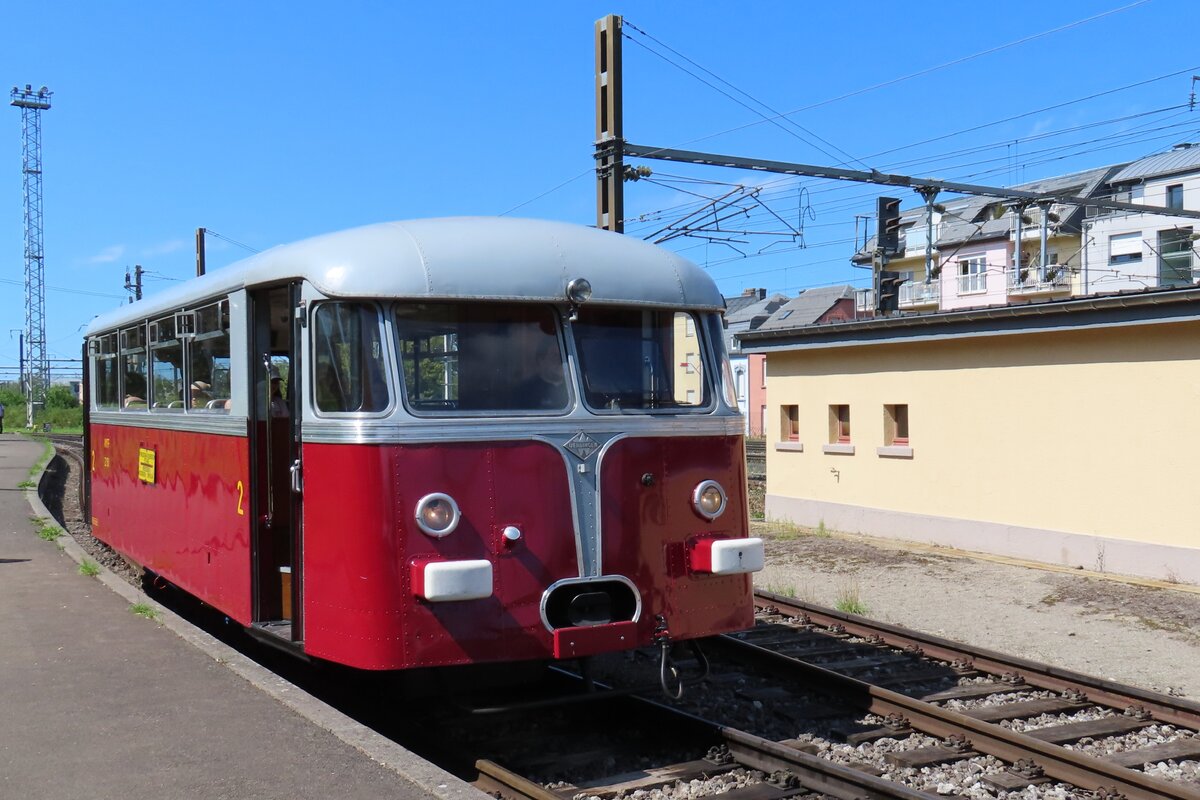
(1136, 633)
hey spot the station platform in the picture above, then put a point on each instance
(96, 701)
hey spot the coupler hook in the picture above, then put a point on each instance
(668, 673)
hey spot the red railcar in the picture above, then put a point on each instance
(431, 443)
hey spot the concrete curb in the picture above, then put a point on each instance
(425, 776)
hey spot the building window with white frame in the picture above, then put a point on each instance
(1125, 248)
(1175, 196)
(972, 275)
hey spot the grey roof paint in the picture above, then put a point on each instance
(1178, 159)
(478, 258)
(807, 308)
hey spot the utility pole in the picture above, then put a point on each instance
(32, 103)
(134, 287)
(610, 162)
(200, 251)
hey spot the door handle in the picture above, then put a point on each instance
(297, 477)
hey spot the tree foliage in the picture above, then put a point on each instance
(60, 396)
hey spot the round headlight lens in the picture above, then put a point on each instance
(579, 291)
(437, 514)
(708, 498)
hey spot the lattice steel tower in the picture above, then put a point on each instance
(32, 102)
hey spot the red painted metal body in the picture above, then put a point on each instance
(360, 538)
(192, 523)
(192, 526)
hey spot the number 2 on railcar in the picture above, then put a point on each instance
(432, 443)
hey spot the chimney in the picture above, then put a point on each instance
(760, 294)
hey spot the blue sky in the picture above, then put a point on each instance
(269, 122)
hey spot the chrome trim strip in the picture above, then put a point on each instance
(637, 611)
(599, 504)
(215, 424)
(576, 523)
(399, 429)
(582, 478)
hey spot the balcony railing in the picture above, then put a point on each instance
(919, 293)
(973, 283)
(1033, 280)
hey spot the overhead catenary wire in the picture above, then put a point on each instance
(215, 235)
(893, 81)
(775, 120)
(919, 73)
(830, 186)
(1063, 152)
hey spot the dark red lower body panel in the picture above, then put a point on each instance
(191, 523)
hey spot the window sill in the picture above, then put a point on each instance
(838, 449)
(795, 447)
(894, 451)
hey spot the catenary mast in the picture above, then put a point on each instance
(32, 102)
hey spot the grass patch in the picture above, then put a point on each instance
(49, 532)
(821, 530)
(784, 589)
(144, 610)
(40, 464)
(89, 568)
(27, 485)
(849, 600)
(783, 530)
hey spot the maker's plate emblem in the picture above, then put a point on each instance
(582, 446)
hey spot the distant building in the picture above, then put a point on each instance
(746, 312)
(1049, 431)
(973, 259)
(1126, 250)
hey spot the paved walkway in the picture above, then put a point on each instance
(97, 702)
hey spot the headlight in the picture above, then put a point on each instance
(579, 291)
(708, 498)
(437, 514)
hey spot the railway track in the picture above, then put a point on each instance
(895, 714)
(815, 702)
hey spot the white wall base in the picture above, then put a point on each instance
(1097, 553)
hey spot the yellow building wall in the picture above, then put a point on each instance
(689, 361)
(1090, 432)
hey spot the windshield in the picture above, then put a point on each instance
(481, 358)
(640, 360)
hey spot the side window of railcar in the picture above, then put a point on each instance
(716, 336)
(349, 374)
(640, 360)
(166, 365)
(133, 369)
(107, 382)
(481, 358)
(209, 390)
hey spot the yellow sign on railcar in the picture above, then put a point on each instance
(145, 465)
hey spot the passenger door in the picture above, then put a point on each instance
(274, 410)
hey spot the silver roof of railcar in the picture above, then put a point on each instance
(456, 258)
